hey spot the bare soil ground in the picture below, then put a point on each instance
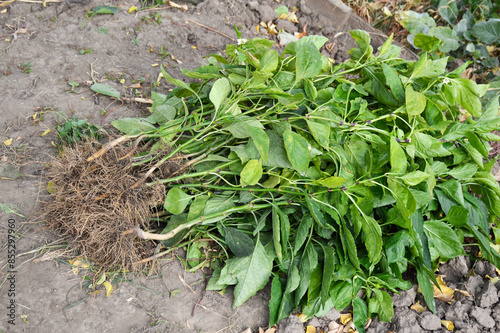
(42, 50)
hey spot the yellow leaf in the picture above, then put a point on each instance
(84, 98)
(490, 49)
(302, 317)
(4, 11)
(46, 132)
(109, 288)
(310, 329)
(35, 115)
(448, 325)
(8, 142)
(132, 9)
(155, 65)
(193, 47)
(446, 293)
(463, 292)
(257, 27)
(418, 307)
(173, 4)
(345, 318)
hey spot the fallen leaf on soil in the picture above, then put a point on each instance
(175, 59)
(335, 327)
(8, 142)
(418, 307)
(132, 9)
(109, 288)
(4, 159)
(292, 17)
(350, 328)
(448, 325)
(299, 35)
(310, 329)
(345, 318)
(270, 27)
(136, 86)
(302, 317)
(463, 292)
(329, 47)
(46, 132)
(175, 5)
(445, 294)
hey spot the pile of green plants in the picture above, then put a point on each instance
(326, 178)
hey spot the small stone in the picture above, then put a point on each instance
(484, 268)
(304, 8)
(405, 298)
(266, 13)
(286, 25)
(430, 321)
(457, 311)
(333, 315)
(404, 318)
(378, 326)
(487, 296)
(314, 322)
(455, 269)
(253, 5)
(292, 324)
(483, 317)
(474, 284)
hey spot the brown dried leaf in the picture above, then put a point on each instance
(448, 325)
(446, 293)
(418, 307)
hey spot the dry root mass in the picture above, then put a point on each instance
(95, 201)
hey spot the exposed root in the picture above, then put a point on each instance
(94, 202)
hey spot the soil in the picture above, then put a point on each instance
(43, 48)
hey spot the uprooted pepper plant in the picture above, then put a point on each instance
(325, 178)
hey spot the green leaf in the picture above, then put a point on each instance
(220, 90)
(426, 286)
(104, 89)
(387, 44)
(175, 82)
(396, 246)
(463, 171)
(452, 189)
(415, 177)
(467, 96)
(308, 263)
(350, 245)
(320, 132)
(310, 89)
(362, 38)
(397, 157)
(308, 61)
(384, 305)
(360, 314)
(302, 233)
(330, 182)
(104, 10)
(269, 61)
(457, 216)
(277, 234)
(449, 39)
(293, 279)
(11, 209)
(281, 10)
(394, 82)
(274, 303)
(426, 42)
(176, 201)
(252, 272)
(415, 102)
(328, 270)
(448, 11)
(260, 139)
(133, 126)
(251, 173)
(429, 69)
(415, 22)
(373, 238)
(443, 239)
(238, 242)
(197, 208)
(164, 113)
(487, 32)
(477, 143)
(297, 150)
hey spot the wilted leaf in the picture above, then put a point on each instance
(345, 318)
(310, 329)
(448, 325)
(109, 288)
(446, 293)
(7, 142)
(418, 307)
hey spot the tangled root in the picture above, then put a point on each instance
(95, 202)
